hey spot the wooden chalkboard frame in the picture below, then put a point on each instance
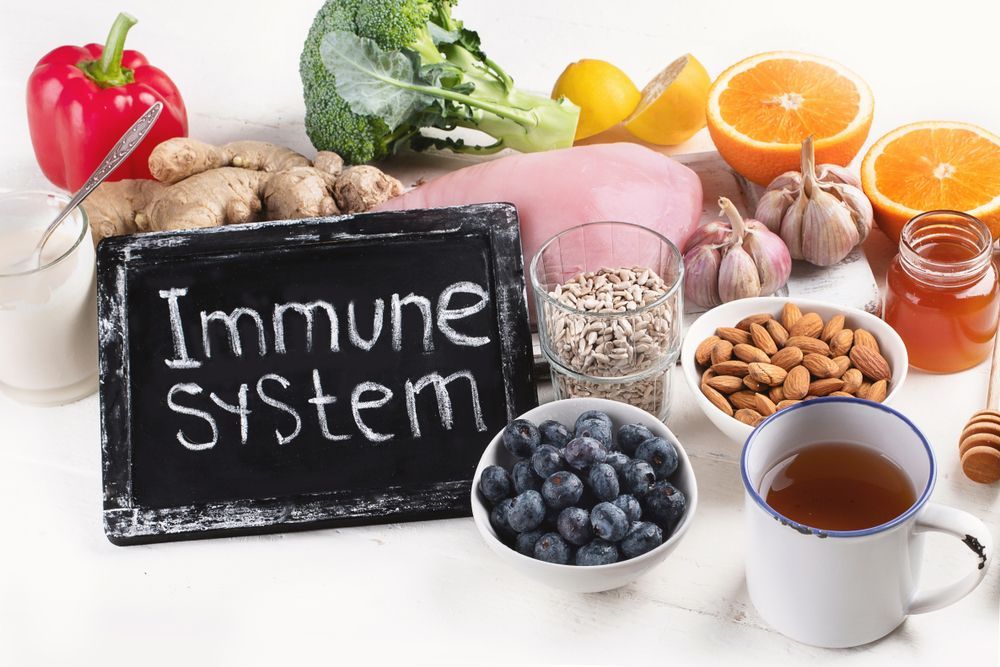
(126, 523)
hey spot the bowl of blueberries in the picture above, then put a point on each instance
(584, 494)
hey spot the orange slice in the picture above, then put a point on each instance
(933, 165)
(761, 108)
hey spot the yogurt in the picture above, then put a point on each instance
(48, 315)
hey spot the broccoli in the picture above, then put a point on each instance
(375, 73)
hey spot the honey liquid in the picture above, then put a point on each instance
(838, 486)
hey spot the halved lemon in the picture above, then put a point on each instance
(761, 108)
(604, 93)
(673, 104)
(933, 165)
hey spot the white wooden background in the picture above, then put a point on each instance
(431, 592)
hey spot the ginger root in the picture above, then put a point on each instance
(200, 185)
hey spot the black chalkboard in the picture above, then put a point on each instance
(311, 373)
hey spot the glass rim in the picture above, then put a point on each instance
(955, 270)
(543, 294)
(84, 228)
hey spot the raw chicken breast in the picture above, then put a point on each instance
(556, 190)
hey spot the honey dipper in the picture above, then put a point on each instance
(979, 444)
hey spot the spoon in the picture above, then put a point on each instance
(979, 444)
(121, 150)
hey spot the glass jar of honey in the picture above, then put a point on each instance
(942, 292)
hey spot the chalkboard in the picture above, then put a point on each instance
(310, 373)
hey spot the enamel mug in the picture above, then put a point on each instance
(846, 588)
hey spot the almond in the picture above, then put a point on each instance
(808, 344)
(832, 328)
(842, 363)
(810, 324)
(878, 391)
(819, 365)
(865, 339)
(750, 353)
(765, 405)
(709, 373)
(787, 403)
(841, 393)
(743, 399)
(825, 387)
(732, 367)
(703, 353)
(762, 339)
(758, 318)
(863, 389)
(777, 394)
(867, 360)
(749, 416)
(852, 380)
(841, 342)
(796, 384)
(768, 374)
(725, 384)
(790, 314)
(717, 399)
(754, 385)
(721, 351)
(733, 335)
(787, 357)
(779, 334)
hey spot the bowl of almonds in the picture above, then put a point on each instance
(747, 359)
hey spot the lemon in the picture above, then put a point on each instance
(673, 104)
(604, 93)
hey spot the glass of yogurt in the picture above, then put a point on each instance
(48, 314)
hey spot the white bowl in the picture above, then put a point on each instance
(577, 578)
(728, 314)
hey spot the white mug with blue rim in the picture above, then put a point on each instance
(847, 588)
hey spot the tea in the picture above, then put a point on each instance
(838, 486)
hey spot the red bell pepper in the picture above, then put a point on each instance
(82, 99)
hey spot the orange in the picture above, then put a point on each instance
(761, 108)
(933, 165)
(604, 93)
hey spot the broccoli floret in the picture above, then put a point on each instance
(434, 65)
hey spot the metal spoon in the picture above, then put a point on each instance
(132, 138)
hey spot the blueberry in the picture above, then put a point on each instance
(642, 536)
(521, 438)
(495, 484)
(603, 481)
(593, 415)
(554, 433)
(562, 489)
(524, 477)
(598, 552)
(609, 522)
(581, 453)
(629, 505)
(639, 477)
(660, 454)
(552, 549)
(498, 519)
(630, 436)
(527, 512)
(526, 542)
(596, 429)
(547, 460)
(665, 504)
(618, 461)
(574, 525)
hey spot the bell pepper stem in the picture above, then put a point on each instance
(108, 70)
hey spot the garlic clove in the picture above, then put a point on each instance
(860, 208)
(834, 173)
(714, 233)
(790, 180)
(828, 230)
(701, 276)
(774, 264)
(791, 226)
(738, 278)
(772, 206)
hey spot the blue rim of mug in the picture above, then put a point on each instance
(803, 528)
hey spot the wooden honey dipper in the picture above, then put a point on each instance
(979, 444)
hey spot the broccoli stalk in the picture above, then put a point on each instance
(377, 72)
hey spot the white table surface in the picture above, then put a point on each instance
(432, 592)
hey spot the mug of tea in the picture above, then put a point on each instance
(837, 505)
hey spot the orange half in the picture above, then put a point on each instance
(933, 165)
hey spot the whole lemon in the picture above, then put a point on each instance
(604, 93)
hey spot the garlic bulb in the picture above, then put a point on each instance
(724, 261)
(821, 213)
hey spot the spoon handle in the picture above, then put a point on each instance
(121, 150)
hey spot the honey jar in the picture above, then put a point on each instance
(942, 293)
